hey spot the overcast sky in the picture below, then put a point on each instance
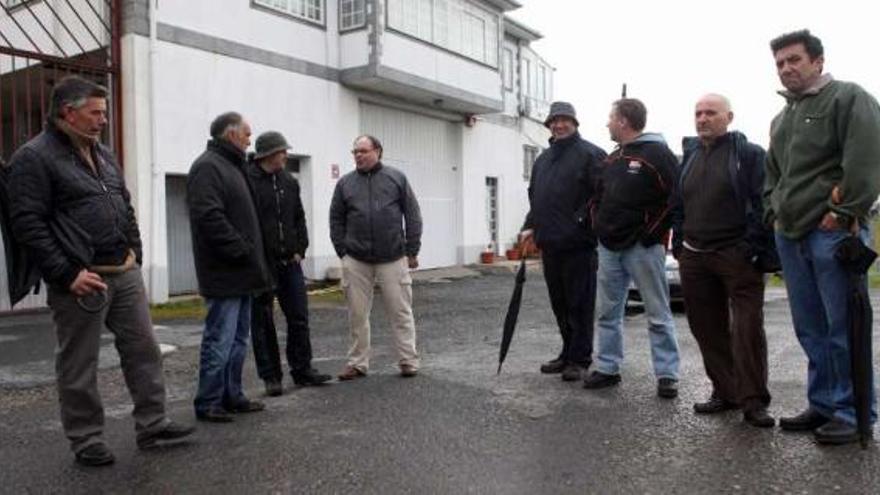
(670, 53)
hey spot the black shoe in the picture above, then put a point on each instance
(573, 372)
(759, 417)
(667, 388)
(96, 454)
(310, 378)
(807, 420)
(274, 388)
(836, 432)
(597, 379)
(215, 416)
(554, 366)
(246, 406)
(713, 406)
(171, 431)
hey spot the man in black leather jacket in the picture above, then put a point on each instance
(72, 213)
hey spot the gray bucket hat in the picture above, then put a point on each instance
(561, 109)
(268, 143)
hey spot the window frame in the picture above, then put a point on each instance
(507, 72)
(486, 15)
(354, 27)
(265, 5)
(530, 156)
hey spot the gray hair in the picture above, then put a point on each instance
(73, 91)
(224, 123)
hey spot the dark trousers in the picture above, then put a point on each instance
(571, 282)
(724, 299)
(127, 316)
(291, 293)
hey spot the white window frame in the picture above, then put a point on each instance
(530, 154)
(527, 77)
(304, 13)
(355, 18)
(445, 26)
(507, 68)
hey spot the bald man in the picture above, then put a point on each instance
(723, 250)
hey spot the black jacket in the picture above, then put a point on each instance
(635, 194)
(746, 168)
(368, 212)
(560, 191)
(227, 242)
(281, 214)
(52, 189)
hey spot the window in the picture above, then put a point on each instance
(527, 76)
(507, 68)
(530, 154)
(455, 25)
(352, 14)
(309, 10)
(542, 83)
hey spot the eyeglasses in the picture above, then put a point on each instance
(361, 151)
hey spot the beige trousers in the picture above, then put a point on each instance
(395, 285)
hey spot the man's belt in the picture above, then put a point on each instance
(126, 265)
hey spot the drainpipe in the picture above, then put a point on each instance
(156, 171)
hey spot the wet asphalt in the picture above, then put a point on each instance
(458, 427)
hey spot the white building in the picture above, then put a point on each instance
(451, 87)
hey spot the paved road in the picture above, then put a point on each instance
(456, 428)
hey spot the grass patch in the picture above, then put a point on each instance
(189, 309)
(195, 309)
(873, 280)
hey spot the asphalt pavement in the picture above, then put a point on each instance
(458, 427)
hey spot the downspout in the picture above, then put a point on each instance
(155, 168)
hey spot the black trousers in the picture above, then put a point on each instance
(292, 298)
(724, 300)
(571, 282)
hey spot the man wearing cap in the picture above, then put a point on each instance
(560, 191)
(283, 223)
(230, 265)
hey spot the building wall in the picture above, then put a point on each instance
(283, 75)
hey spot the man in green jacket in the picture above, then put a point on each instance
(823, 174)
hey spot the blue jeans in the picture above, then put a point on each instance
(224, 344)
(646, 266)
(817, 295)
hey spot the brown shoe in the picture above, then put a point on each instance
(350, 373)
(408, 371)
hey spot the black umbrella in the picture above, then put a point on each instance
(512, 312)
(856, 258)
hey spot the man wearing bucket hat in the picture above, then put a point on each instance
(285, 238)
(560, 191)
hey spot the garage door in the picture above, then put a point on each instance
(428, 151)
(181, 268)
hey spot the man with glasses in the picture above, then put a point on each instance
(376, 229)
(72, 213)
